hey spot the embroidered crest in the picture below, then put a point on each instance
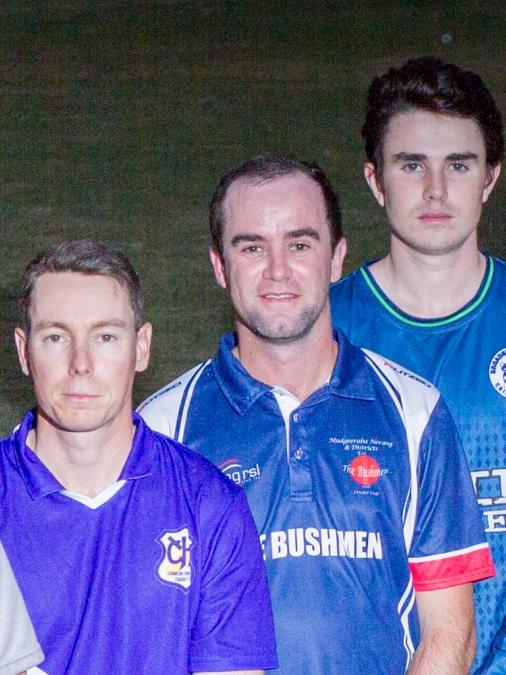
(175, 567)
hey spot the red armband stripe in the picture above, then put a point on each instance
(452, 569)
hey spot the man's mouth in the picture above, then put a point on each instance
(432, 216)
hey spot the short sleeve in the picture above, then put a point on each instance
(19, 648)
(449, 546)
(234, 626)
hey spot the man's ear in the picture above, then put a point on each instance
(374, 182)
(218, 267)
(143, 347)
(21, 341)
(338, 259)
(492, 176)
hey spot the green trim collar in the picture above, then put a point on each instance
(383, 300)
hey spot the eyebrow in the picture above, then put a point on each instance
(111, 323)
(292, 234)
(420, 157)
(459, 156)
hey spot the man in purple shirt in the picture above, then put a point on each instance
(133, 553)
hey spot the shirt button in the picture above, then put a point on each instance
(299, 454)
(295, 417)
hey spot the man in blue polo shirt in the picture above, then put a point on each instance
(134, 554)
(351, 464)
(435, 302)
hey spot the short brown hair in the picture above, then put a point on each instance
(264, 168)
(84, 256)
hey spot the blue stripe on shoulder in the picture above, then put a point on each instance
(182, 404)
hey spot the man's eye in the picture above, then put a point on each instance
(299, 246)
(254, 248)
(54, 339)
(412, 167)
(459, 167)
(107, 337)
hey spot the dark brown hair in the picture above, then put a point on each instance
(264, 168)
(427, 83)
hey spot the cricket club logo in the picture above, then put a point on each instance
(497, 372)
(175, 567)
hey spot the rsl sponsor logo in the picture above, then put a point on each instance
(238, 473)
(175, 567)
(497, 372)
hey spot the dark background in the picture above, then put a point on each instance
(117, 119)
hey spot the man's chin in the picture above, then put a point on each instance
(82, 422)
(280, 329)
(279, 334)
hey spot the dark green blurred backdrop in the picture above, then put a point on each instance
(118, 118)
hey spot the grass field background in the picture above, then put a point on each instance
(117, 119)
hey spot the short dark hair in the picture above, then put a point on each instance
(84, 256)
(427, 83)
(264, 168)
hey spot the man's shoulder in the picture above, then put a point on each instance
(351, 299)
(401, 383)
(161, 410)
(500, 266)
(192, 468)
(10, 444)
(7, 441)
(173, 389)
(347, 283)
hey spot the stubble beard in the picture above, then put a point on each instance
(281, 330)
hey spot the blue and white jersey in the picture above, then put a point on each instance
(160, 573)
(351, 494)
(464, 355)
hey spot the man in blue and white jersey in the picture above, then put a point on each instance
(344, 456)
(133, 553)
(435, 303)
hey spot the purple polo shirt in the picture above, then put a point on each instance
(161, 572)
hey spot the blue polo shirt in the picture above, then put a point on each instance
(161, 572)
(361, 494)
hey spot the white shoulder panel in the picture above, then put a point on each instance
(161, 409)
(415, 399)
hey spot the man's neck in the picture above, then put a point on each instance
(301, 367)
(83, 462)
(430, 286)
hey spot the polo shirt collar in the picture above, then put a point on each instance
(140, 461)
(237, 385)
(40, 482)
(38, 479)
(351, 377)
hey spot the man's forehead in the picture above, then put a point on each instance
(73, 281)
(414, 131)
(64, 289)
(254, 194)
(281, 182)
